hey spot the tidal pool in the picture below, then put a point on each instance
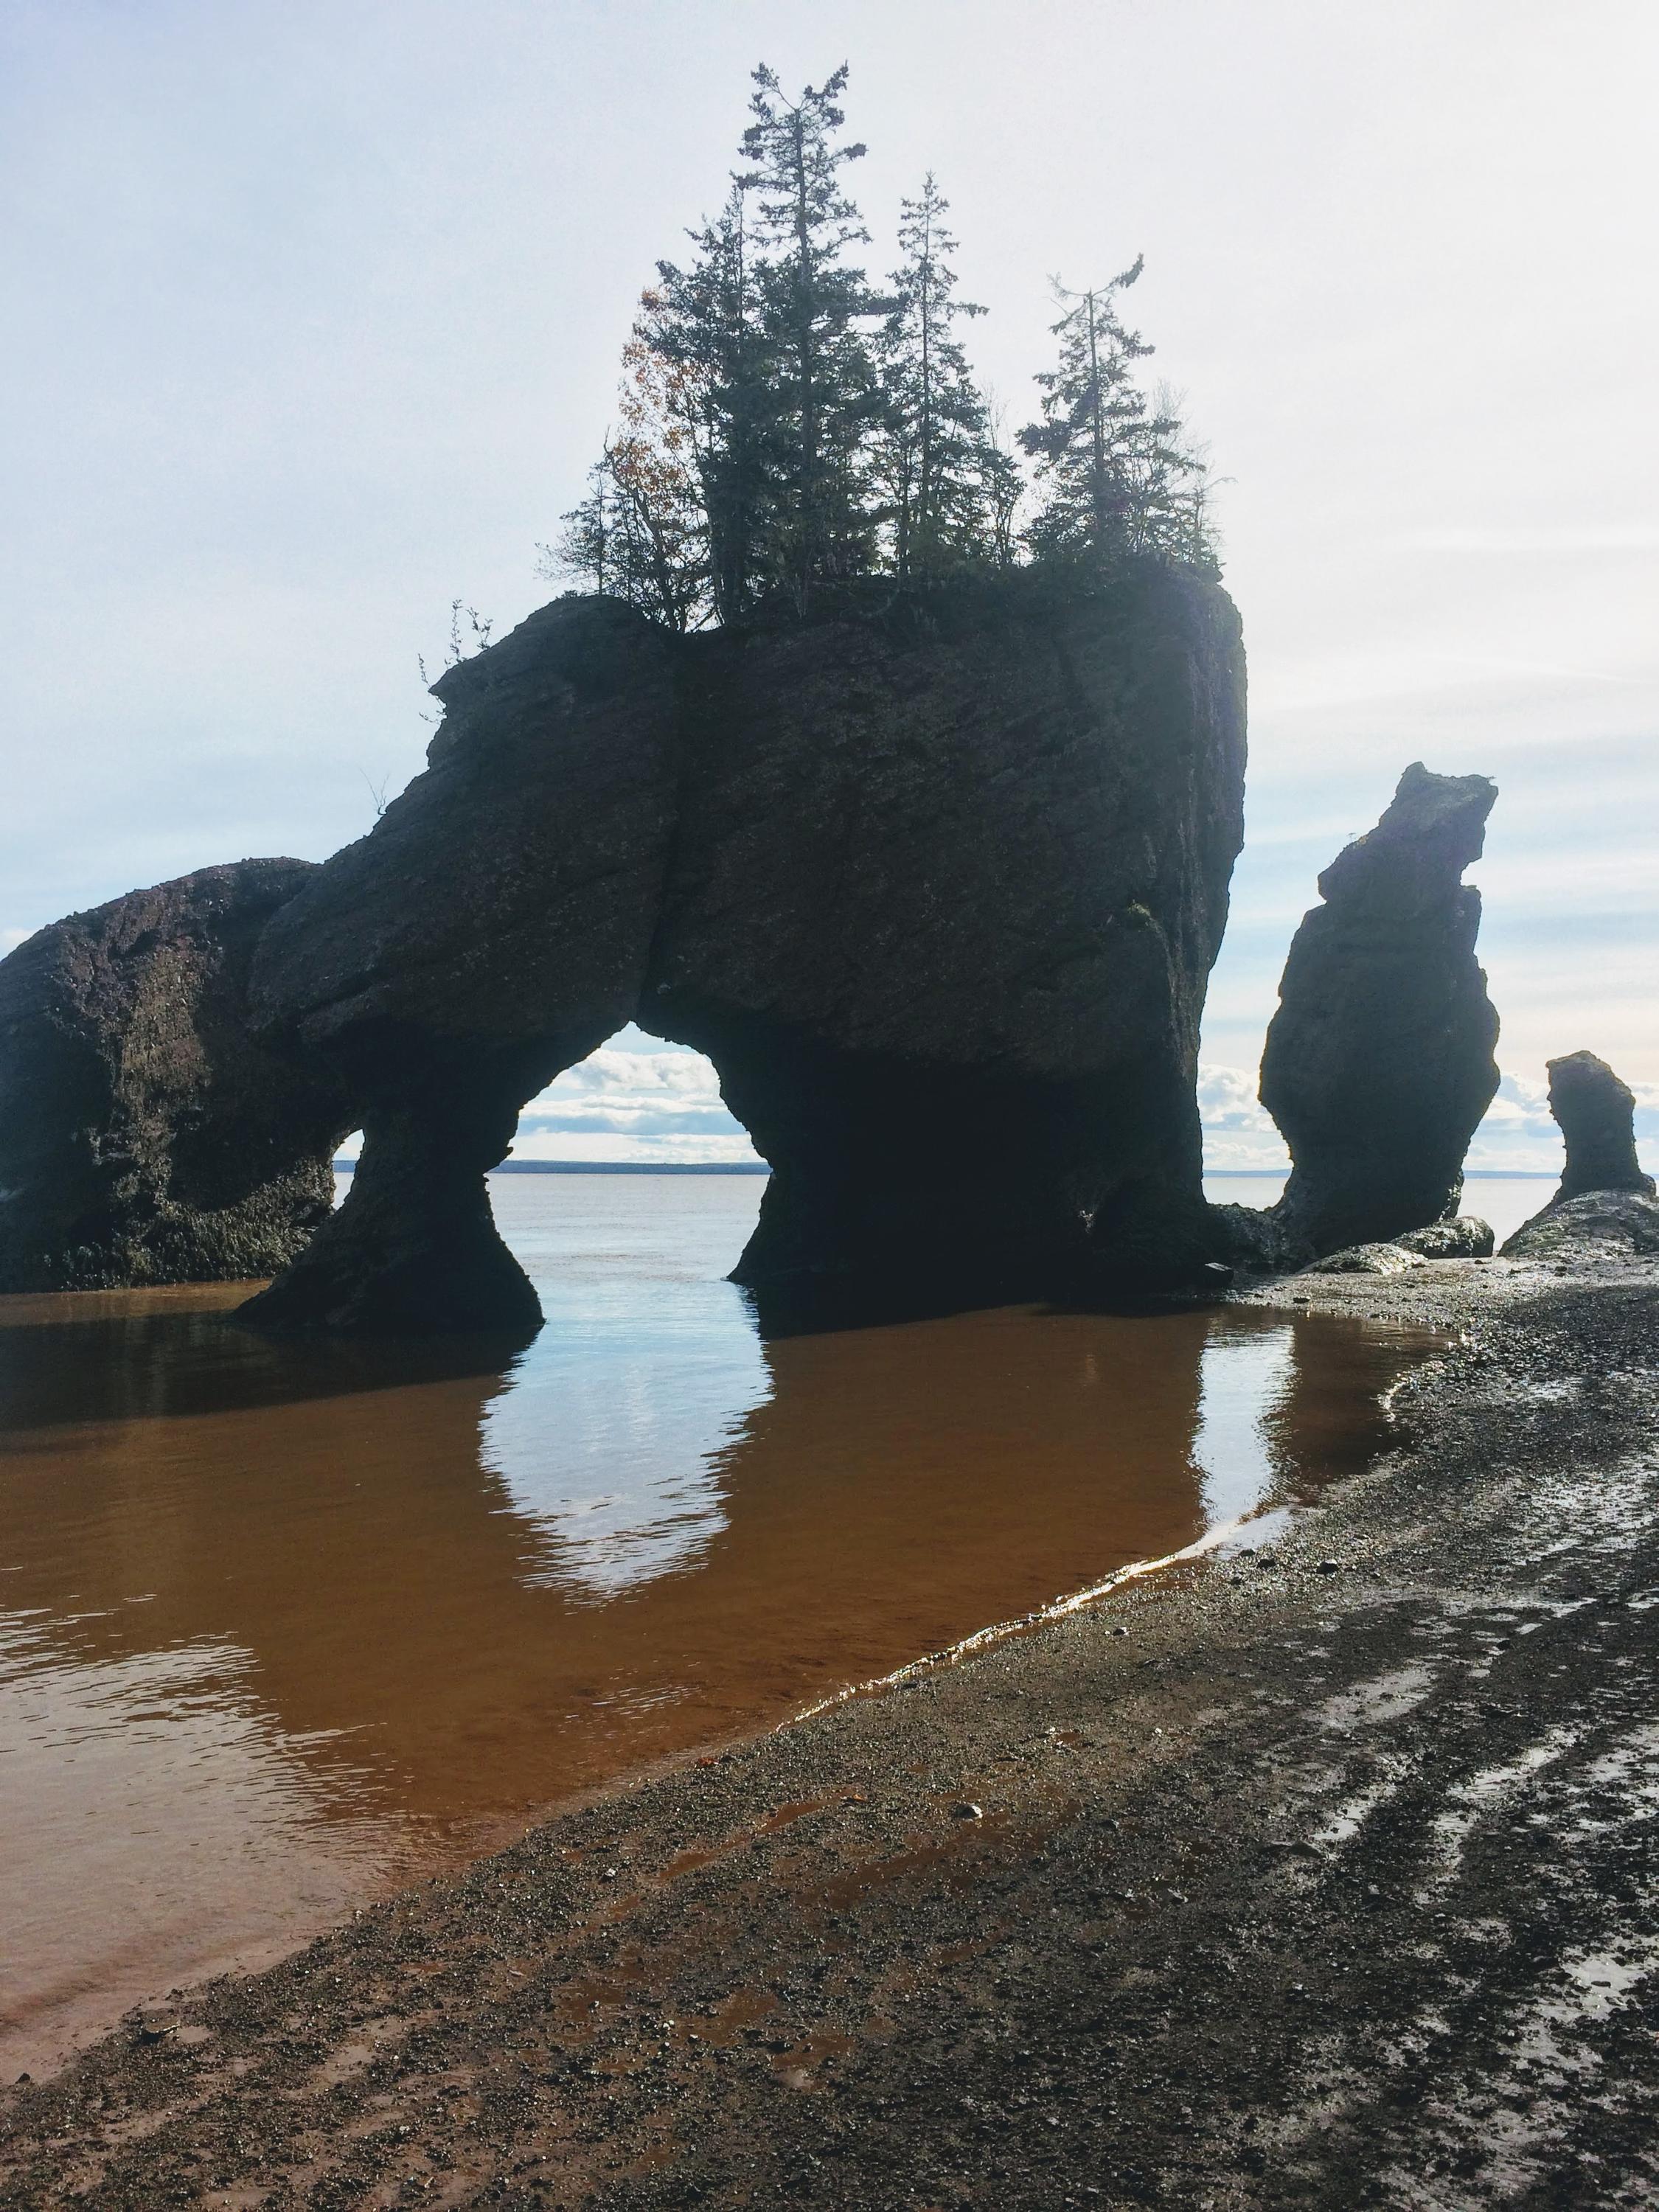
(281, 1625)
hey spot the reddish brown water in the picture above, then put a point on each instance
(280, 1624)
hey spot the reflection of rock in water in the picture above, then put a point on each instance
(332, 1616)
(411, 1568)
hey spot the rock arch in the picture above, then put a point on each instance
(937, 890)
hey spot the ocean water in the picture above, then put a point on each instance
(282, 1625)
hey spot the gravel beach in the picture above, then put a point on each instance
(1320, 1873)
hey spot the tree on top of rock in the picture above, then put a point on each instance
(935, 449)
(701, 322)
(822, 388)
(770, 442)
(1119, 476)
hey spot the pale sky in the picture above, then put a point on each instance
(314, 312)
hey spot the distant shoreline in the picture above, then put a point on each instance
(611, 1167)
(760, 1168)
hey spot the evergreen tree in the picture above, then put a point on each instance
(639, 534)
(583, 547)
(934, 448)
(701, 323)
(768, 446)
(1119, 474)
(1003, 488)
(818, 381)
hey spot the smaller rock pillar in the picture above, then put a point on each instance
(1597, 1115)
(1379, 1064)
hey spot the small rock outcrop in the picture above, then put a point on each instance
(1379, 1064)
(1604, 1202)
(146, 1134)
(1465, 1236)
(1599, 1225)
(1381, 1259)
(1597, 1116)
(936, 888)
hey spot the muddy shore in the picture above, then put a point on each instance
(1322, 1874)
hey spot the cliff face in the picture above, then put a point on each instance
(1379, 1064)
(938, 897)
(146, 1136)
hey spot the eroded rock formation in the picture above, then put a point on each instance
(1604, 1198)
(1460, 1236)
(1378, 1064)
(1597, 1224)
(1597, 1116)
(938, 894)
(145, 1135)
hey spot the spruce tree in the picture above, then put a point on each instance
(818, 381)
(1118, 473)
(702, 322)
(933, 448)
(583, 546)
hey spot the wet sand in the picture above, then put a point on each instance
(1322, 1875)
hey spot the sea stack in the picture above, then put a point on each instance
(146, 1134)
(937, 886)
(1379, 1064)
(1597, 1116)
(1604, 1202)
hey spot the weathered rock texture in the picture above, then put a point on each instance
(146, 1136)
(1598, 1224)
(1378, 1064)
(1597, 1115)
(1462, 1237)
(938, 894)
(1604, 1198)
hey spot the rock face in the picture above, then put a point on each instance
(1603, 1199)
(938, 894)
(146, 1136)
(1599, 1224)
(1597, 1115)
(1464, 1237)
(1378, 1064)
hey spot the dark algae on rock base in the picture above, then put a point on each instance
(146, 1134)
(935, 883)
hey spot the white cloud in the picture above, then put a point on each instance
(626, 1104)
(645, 1146)
(11, 939)
(1239, 1133)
